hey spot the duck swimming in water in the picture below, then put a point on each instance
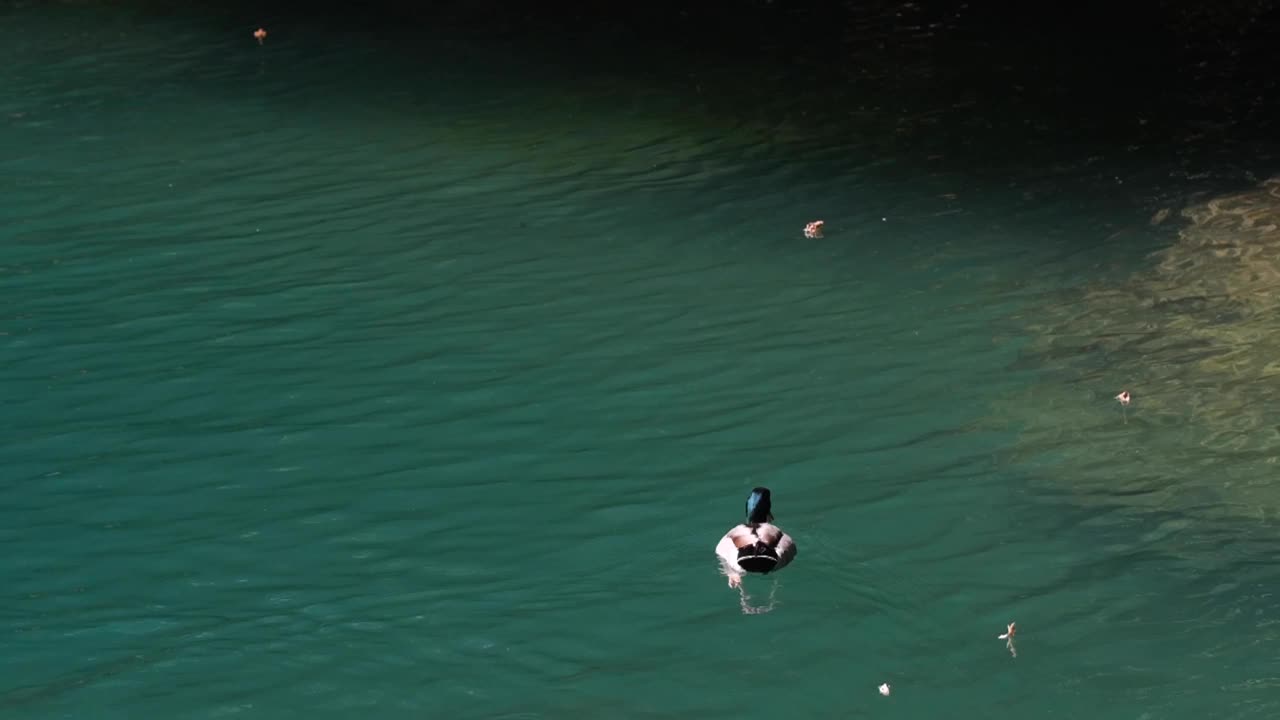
(757, 545)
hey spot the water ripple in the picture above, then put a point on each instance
(440, 405)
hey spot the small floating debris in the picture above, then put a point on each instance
(1008, 639)
(814, 229)
(884, 689)
(260, 35)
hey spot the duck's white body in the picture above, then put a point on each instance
(763, 548)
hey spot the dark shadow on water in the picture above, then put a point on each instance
(941, 87)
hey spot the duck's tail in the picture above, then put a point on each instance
(757, 558)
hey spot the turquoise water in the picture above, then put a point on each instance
(330, 389)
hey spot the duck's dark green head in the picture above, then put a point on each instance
(759, 508)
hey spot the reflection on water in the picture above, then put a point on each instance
(753, 607)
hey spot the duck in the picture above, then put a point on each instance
(757, 545)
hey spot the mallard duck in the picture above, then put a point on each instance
(756, 546)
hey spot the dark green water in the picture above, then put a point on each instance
(330, 390)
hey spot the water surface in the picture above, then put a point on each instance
(333, 389)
